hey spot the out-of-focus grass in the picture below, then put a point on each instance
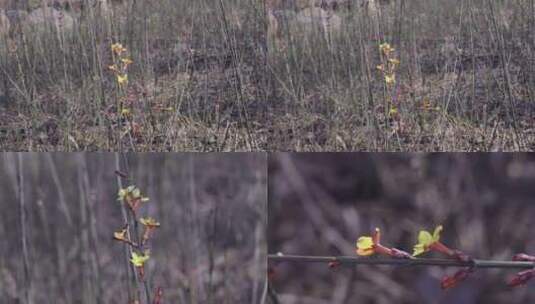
(321, 203)
(204, 79)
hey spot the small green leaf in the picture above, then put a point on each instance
(365, 246)
(139, 259)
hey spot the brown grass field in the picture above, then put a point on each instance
(231, 75)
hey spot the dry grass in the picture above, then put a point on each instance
(192, 85)
(203, 80)
(464, 83)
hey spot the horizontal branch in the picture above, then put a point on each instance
(348, 260)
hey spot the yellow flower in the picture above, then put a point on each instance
(122, 79)
(365, 246)
(139, 259)
(130, 192)
(385, 48)
(426, 240)
(125, 112)
(123, 237)
(380, 67)
(118, 48)
(126, 61)
(121, 195)
(149, 222)
(394, 61)
(368, 245)
(120, 235)
(393, 111)
(390, 79)
(131, 196)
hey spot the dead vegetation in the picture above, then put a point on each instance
(193, 84)
(274, 75)
(464, 80)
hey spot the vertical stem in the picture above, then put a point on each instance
(193, 223)
(366, 77)
(92, 241)
(127, 249)
(503, 61)
(55, 177)
(23, 219)
(87, 286)
(258, 256)
(137, 238)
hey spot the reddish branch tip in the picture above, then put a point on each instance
(522, 278)
(121, 174)
(400, 254)
(159, 294)
(334, 264)
(524, 257)
(450, 282)
(461, 256)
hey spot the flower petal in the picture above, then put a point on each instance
(425, 238)
(436, 233)
(139, 259)
(120, 235)
(149, 222)
(418, 249)
(364, 242)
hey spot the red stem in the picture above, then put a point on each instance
(439, 247)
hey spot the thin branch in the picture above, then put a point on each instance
(24, 232)
(348, 261)
(89, 233)
(136, 232)
(63, 206)
(128, 250)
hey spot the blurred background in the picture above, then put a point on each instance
(210, 247)
(319, 204)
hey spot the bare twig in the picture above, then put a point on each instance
(89, 233)
(55, 177)
(24, 232)
(127, 249)
(350, 261)
(126, 219)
